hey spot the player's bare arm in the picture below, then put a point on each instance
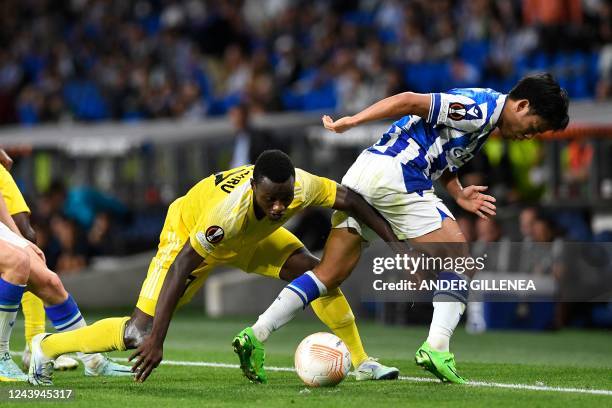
(405, 103)
(470, 198)
(351, 202)
(22, 220)
(150, 352)
(5, 160)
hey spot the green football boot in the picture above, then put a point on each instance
(251, 354)
(439, 363)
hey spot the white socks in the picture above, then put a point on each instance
(445, 318)
(295, 296)
(10, 298)
(7, 320)
(279, 313)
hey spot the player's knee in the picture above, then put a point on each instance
(331, 277)
(17, 267)
(134, 333)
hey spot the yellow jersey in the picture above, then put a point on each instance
(218, 212)
(218, 218)
(11, 194)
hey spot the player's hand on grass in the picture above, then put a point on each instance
(338, 126)
(5, 160)
(150, 354)
(473, 200)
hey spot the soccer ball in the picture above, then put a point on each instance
(322, 360)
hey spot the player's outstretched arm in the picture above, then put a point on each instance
(351, 202)
(405, 103)
(150, 352)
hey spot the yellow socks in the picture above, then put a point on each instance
(103, 335)
(33, 315)
(336, 313)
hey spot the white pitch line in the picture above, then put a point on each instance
(404, 378)
(539, 388)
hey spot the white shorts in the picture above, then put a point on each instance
(379, 180)
(9, 236)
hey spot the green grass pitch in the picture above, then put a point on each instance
(568, 359)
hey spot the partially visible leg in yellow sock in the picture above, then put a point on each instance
(336, 313)
(103, 335)
(33, 315)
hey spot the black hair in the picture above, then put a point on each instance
(546, 98)
(274, 165)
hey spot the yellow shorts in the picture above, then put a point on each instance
(11, 194)
(266, 259)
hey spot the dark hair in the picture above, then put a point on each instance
(274, 165)
(546, 98)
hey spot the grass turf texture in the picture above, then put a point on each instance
(569, 359)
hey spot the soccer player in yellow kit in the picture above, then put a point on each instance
(32, 307)
(234, 218)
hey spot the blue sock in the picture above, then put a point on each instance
(458, 286)
(10, 298)
(65, 316)
(308, 287)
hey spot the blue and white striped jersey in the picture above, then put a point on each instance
(458, 124)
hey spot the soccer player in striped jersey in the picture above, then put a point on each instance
(436, 135)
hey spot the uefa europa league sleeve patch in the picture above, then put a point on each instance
(214, 234)
(458, 111)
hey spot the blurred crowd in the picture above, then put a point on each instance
(75, 224)
(88, 60)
